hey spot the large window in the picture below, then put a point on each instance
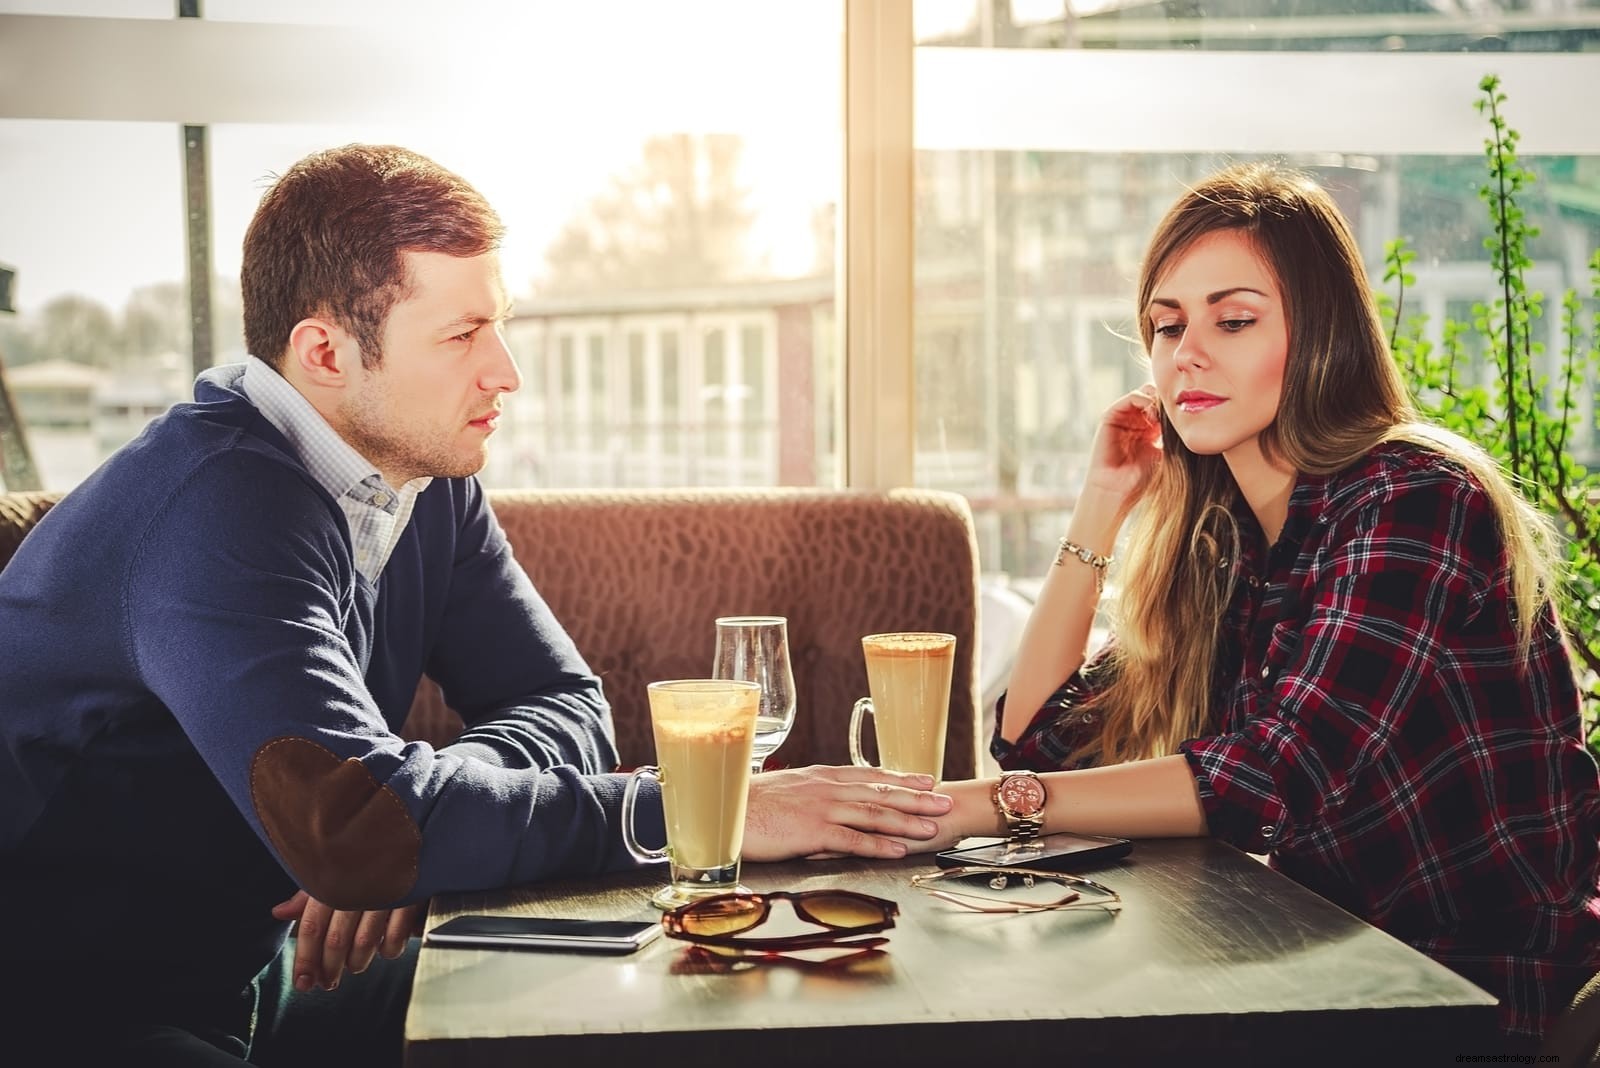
(668, 174)
(91, 219)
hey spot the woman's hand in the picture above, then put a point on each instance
(1127, 447)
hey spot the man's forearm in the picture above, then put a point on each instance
(570, 725)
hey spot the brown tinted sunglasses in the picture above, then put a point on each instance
(723, 920)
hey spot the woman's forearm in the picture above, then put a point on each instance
(1055, 640)
(1143, 799)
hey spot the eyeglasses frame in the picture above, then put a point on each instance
(923, 881)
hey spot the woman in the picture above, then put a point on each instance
(1334, 641)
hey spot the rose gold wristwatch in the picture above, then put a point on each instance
(1020, 795)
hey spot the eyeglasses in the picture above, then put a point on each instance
(723, 919)
(986, 889)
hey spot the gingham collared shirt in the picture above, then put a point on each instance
(377, 512)
(1376, 735)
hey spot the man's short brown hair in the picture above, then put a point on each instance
(327, 240)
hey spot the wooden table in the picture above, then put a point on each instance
(1213, 959)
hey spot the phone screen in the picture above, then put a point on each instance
(541, 932)
(1053, 852)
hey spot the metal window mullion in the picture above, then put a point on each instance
(197, 219)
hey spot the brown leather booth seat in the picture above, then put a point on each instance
(639, 576)
(18, 513)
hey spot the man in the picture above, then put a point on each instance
(210, 644)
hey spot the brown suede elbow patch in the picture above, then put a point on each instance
(349, 842)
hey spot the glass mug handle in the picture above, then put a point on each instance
(862, 708)
(630, 797)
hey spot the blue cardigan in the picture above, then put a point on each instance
(199, 695)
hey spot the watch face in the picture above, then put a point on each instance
(1022, 795)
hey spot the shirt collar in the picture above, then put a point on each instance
(1307, 502)
(331, 460)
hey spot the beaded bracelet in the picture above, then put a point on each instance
(1093, 559)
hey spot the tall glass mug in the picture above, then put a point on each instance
(703, 730)
(908, 676)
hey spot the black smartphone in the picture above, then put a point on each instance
(1052, 852)
(540, 932)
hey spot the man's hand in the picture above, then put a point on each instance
(839, 811)
(972, 812)
(329, 941)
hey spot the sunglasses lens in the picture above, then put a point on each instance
(720, 915)
(844, 911)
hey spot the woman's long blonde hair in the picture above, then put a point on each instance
(1342, 395)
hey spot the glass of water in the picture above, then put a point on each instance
(756, 649)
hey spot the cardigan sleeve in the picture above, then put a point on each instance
(239, 627)
(506, 664)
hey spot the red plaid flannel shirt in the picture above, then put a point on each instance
(1379, 741)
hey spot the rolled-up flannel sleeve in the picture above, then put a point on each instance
(1399, 578)
(1061, 726)
(242, 639)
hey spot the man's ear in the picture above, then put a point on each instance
(322, 353)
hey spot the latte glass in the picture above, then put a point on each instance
(908, 675)
(703, 731)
